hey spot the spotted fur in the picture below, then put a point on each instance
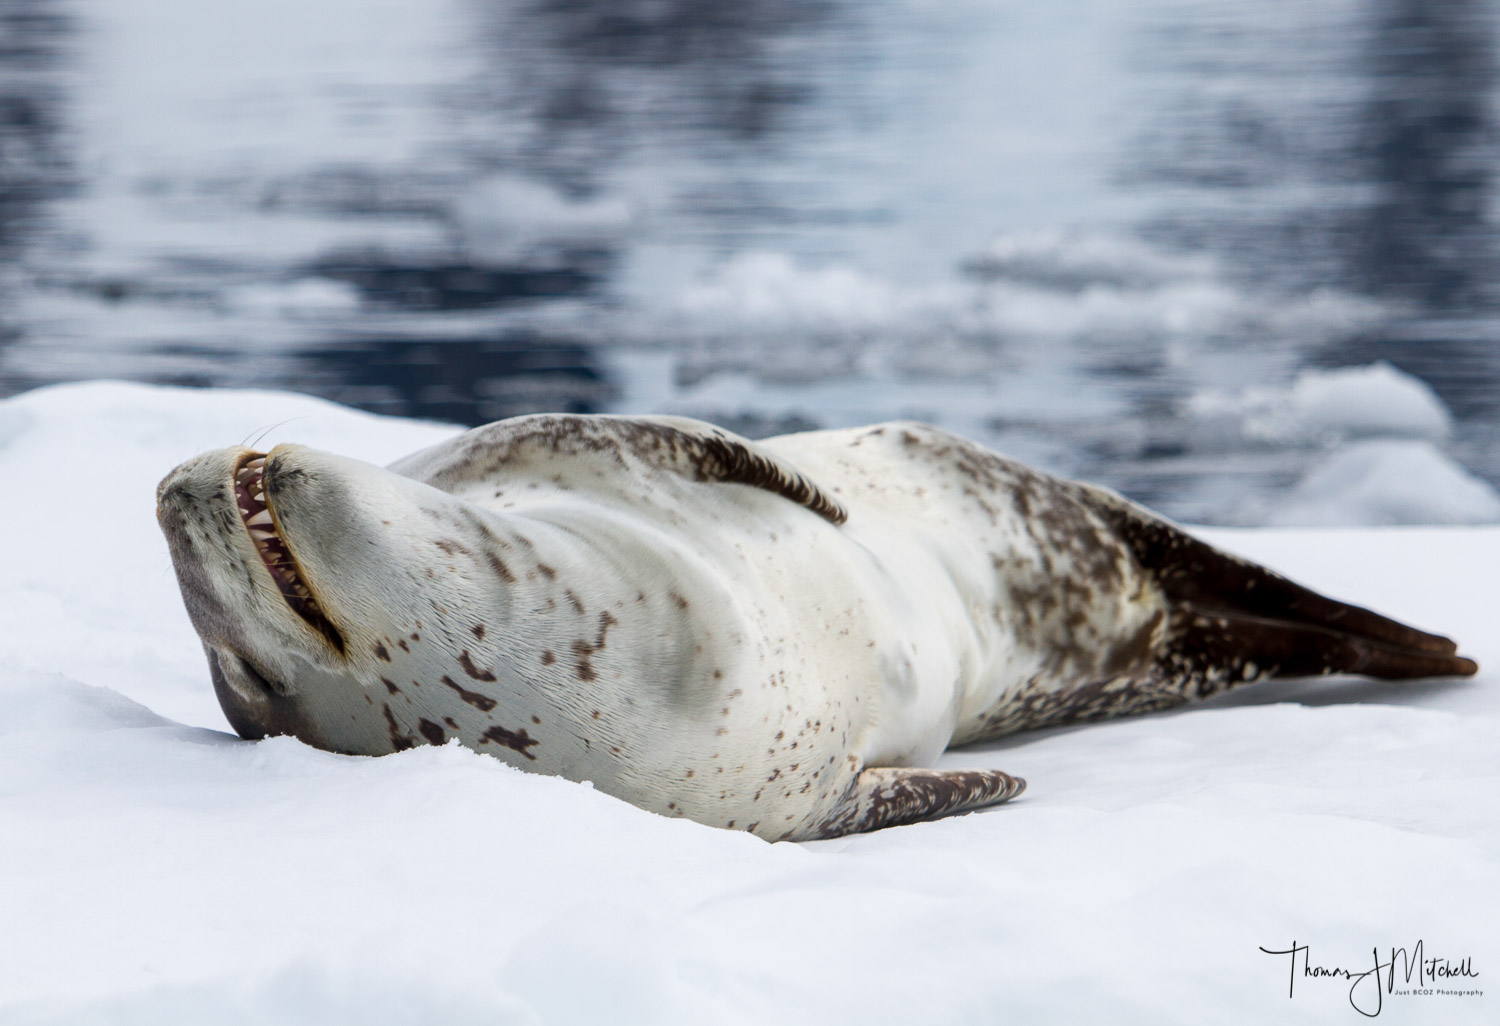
(777, 637)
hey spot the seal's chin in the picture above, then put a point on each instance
(260, 522)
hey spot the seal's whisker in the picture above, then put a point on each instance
(249, 444)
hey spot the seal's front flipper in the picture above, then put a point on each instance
(885, 796)
(693, 449)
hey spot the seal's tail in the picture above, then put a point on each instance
(1237, 621)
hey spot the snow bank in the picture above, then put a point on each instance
(156, 869)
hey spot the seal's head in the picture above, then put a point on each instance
(299, 573)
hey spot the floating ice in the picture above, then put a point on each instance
(1322, 406)
(1055, 259)
(770, 292)
(507, 220)
(1387, 481)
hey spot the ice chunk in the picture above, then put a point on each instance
(1325, 405)
(1055, 259)
(1387, 481)
(508, 220)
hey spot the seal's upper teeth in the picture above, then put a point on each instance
(261, 534)
(261, 519)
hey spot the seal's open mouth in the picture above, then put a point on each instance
(250, 496)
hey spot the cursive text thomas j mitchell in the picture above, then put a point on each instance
(1365, 991)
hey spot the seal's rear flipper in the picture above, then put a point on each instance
(1238, 621)
(886, 796)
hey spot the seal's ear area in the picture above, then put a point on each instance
(1231, 613)
(886, 796)
(690, 448)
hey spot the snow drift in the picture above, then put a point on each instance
(156, 869)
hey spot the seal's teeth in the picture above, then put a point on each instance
(257, 463)
(261, 534)
(261, 519)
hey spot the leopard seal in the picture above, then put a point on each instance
(778, 636)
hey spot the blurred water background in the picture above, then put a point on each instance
(1228, 257)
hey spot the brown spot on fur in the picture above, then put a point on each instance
(574, 602)
(399, 741)
(451, 547)
(515, 740)
(431, 731)
(498, 565)
(484, 703)
(606, 621)
(473, 671)
(401, 644)
(536, 719)
(478, 631)
(390, 686)
(381, 653)
(548, 658)
(682, 603)
(548, 572)
(584, 669)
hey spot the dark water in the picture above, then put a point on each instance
(1056, 227)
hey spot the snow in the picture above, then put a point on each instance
(156, 870)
